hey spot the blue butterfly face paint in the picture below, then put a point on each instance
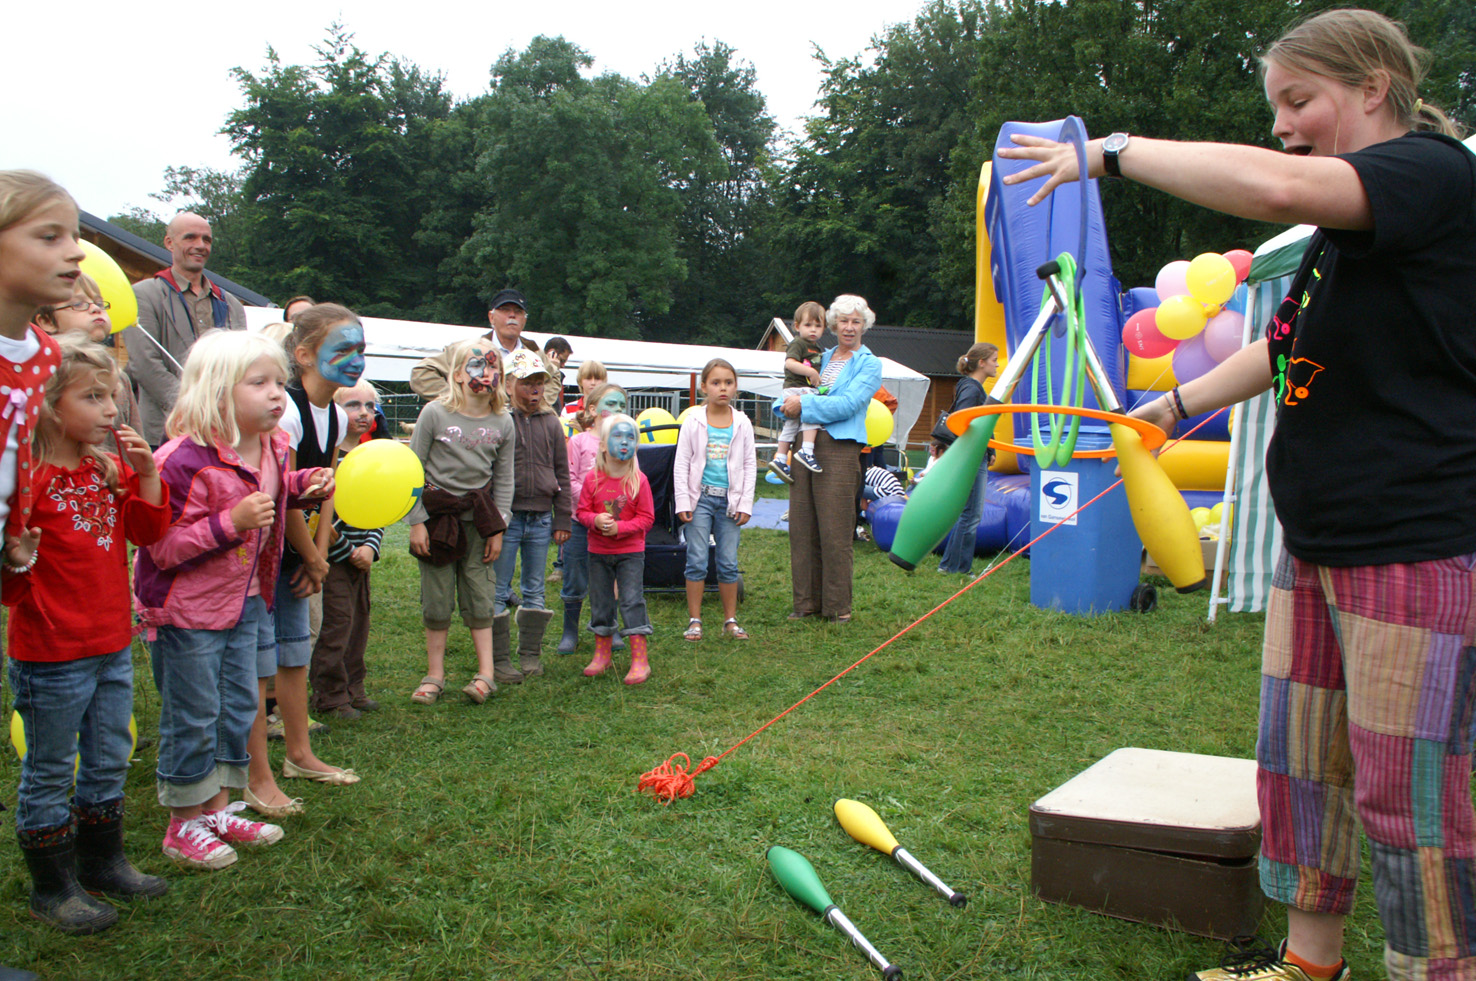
(341, 355)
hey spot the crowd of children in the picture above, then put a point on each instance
(246, 586)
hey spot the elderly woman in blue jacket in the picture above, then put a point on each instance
(822, 502)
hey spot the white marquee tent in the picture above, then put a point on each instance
(394, 346)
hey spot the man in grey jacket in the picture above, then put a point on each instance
(175, 307)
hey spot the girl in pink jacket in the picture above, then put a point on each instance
(204, 590)
(713, 485)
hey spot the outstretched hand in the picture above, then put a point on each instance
(1055, 161)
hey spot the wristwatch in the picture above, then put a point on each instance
(1111, 147)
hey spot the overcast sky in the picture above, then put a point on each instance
(103, 96)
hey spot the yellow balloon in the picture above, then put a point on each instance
(116, 289)
(686, 412)
(879, 424)
(568, 424)
(18, 738)
(1180, 317)
(1201, 516)
(1211, 278)
(378, 483)
(656, 416)
(1217, 511)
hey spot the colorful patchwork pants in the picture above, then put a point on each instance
(1367, 687)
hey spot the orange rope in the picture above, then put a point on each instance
(671, 779)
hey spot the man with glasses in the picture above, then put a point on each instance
(507, 312)
(175, 307)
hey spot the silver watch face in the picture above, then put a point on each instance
(1115, 143)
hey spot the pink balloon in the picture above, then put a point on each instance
(1222, 334)
(1140, 335)
(1172, 280)
(1191, 359)
(1241, 260)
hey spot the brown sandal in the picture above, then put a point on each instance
(480, 688)
(428, 692)
(731, 629)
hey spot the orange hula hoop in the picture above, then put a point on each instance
(1153, 437)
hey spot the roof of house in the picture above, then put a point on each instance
(149, 252)
(926, 350)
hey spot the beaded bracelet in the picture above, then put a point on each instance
(21, 569)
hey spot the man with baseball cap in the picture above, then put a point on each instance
(507, 312)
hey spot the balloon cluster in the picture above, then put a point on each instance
(1191, 320)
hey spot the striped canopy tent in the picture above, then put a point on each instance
(1255, 539)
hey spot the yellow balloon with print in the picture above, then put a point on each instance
(116, 289)
(879, 424)
(1180, 317)
(656, 416)
(1211, 278)
(378, 483)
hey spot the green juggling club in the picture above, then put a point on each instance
(797, 876)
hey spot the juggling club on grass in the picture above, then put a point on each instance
(797, 876)
(867, 827)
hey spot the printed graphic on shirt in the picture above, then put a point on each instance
(1292, 378)
(616, 505)
(717, 452)
(481, 436)
(92, 508)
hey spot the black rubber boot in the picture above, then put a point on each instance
(569, 643)
(101, 865)
(56, 897)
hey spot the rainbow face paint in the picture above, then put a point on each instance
(341, 355)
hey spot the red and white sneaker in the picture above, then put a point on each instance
(233, 829)
(195, 844)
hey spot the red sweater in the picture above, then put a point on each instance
(75, 602)
(603, 494)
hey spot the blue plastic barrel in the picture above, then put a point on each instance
(1090, 564)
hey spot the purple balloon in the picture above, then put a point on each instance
(1222, 334)
(1191, 359)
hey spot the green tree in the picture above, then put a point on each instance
(721, 298)
(582, 183)
(332, 187)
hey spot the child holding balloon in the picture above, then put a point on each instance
(714, 484)
(615, 506)
(203, 590)
(602, 401)
(72, 668)
(1367, 687)
(456, 527)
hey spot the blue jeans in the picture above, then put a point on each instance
(292, 629)
(628, 570)
(528, 533)
(70, 708)
(576, 565)
(207, 702)
(710, 517)
(958, 556)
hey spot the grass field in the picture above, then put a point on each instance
(507, 841)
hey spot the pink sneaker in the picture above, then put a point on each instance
(193, 843)
(233, 829)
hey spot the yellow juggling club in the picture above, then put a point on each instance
(867, 827)
(1159, 512)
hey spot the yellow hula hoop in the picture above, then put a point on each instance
(1153, 437)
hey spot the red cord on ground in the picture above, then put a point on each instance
(671, 780)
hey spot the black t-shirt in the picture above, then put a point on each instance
(1374, 359)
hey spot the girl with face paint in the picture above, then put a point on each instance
(604, 399)
(326, 353)
(456, 528)
(615, 506)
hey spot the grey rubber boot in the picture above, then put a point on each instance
(532, 625)
(569, 643)
(502, 666)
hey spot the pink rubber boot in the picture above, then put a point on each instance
(602, 657)
(640, 670)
